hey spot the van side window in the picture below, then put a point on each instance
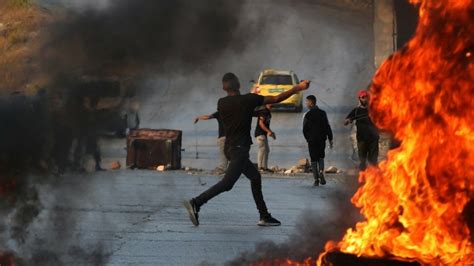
(296, 78)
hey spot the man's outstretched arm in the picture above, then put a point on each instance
(303, 85)
(204, 117)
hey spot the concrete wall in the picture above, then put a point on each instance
(384, 44)
(329, 42)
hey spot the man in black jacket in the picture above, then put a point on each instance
(316, 130)
(236, 112)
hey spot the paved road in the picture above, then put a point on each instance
(135, 217)
(130, 217)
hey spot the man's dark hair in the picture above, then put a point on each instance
(230, 82)
(312, 98)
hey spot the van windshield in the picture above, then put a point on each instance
(276, 80)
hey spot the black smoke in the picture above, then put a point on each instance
(126, 39)
(153, 35)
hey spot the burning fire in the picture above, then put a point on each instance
(418, 202)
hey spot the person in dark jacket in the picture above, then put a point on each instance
(87, 135)
(367, 132)
(316, 130)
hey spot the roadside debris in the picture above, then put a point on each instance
(303, 162)
(163, 168)
(191, 170)
(277, 169)
(332, 170)
(115, 165)
(218, 171)
(302, 167)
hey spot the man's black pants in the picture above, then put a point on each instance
(317, 150)
(317, 154)
(239, 163)
(368, 151)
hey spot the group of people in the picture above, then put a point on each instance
(316, 130)
(262, 133)
(234, 115)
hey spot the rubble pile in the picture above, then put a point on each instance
(192, 171)
(302, 167)
(116, 165)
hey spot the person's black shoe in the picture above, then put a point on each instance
(321, 178)
(268, 220)
(192, 211)
(316, 182)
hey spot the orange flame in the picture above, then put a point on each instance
(416, 202)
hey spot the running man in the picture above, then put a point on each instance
(236, 111)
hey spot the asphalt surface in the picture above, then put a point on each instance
(136, 217)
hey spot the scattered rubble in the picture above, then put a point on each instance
(276, 169)
(191, 170)
(115, 165)
(163, 168)
(218, 171)
(332, 170)
(303, 166)
(303, 162)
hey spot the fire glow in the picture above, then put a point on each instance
(418, 204)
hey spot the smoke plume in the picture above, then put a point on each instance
(81, 43)
(131, 36)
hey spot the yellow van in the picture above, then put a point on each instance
(273, 82)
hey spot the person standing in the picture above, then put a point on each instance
(88, 135)
(367, 132)
(62, 137)
(316, 130)
(236, 112)
(262, 132)
(223, 162)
